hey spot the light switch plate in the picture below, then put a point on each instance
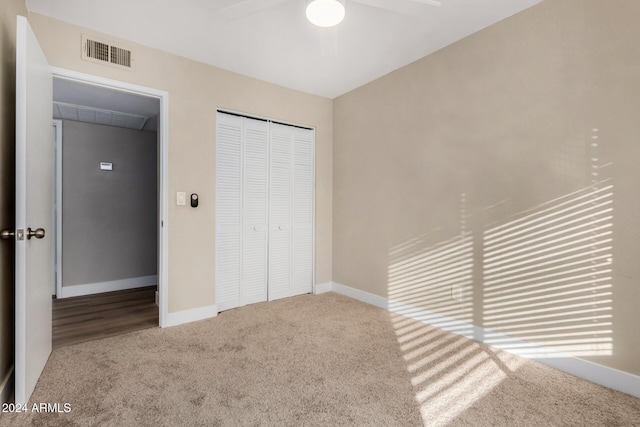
(181, 198)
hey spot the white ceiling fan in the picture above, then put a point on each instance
(324, 13)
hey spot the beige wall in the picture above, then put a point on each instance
(9, 9)
(508, 123)
(195, 91)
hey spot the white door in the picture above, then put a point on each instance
(228, 211)
(34, 201)
(242, 200)
(264, 211)
(280, 193)
(255, 202)
(302, 212)
(291, 211)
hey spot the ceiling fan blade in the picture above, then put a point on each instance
(248, 7)
(406, 7)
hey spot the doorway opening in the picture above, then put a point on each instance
(110, 209)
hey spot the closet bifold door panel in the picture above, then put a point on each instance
(228, 210)
(242, 174)
(302, 212)
(291, 211)
(280, 195)
(255, 203)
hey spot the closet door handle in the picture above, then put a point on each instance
(256, 228)
(280, 227)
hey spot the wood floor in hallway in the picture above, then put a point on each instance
(91, 317)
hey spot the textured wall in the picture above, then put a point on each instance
(109, 221)
(505, 167)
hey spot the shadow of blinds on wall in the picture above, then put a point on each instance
(548, 275)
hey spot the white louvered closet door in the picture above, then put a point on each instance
(291, 211)
(264, 211)
(255, 203)
(228, 210)
(280, 192)
(302, 211)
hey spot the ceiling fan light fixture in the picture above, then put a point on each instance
(325, 13)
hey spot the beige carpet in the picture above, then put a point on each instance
(312, 360)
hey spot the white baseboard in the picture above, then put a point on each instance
(323, 288)
(363, 296)
(6, 386)
(188, 316)
(599, 374)
(114, 285)
(446, 323)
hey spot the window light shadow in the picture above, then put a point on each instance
(548, 272)
(449, 373)
(439, 277)
(430, 283)
(538, 284)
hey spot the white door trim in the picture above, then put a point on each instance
(163, 134)
(58, 212)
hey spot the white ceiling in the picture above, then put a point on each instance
(279, 45)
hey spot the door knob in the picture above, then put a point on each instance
(6, 234)
(38, 233)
